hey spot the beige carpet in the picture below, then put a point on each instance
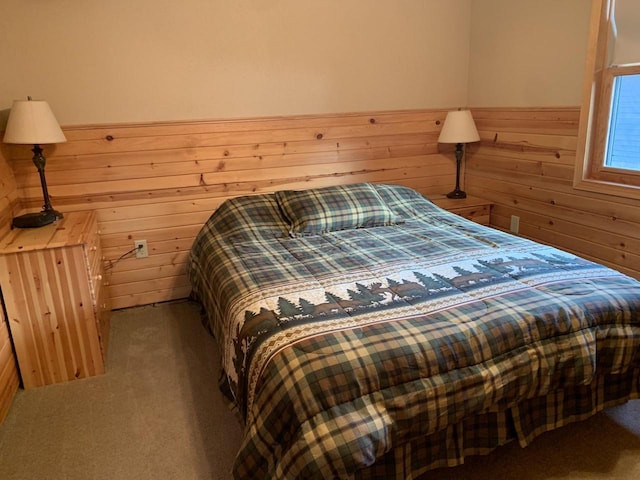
(157, 414)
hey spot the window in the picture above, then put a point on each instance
(622, 148)
(609, 138)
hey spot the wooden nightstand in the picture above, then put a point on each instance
(57, 306)
(473, 208)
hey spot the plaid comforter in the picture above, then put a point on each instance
(352, 350)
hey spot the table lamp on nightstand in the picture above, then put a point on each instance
(458, 128)
(32, 122)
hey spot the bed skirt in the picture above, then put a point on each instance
(483, 433)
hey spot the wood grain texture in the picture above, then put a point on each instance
(9, 379)
(160, 182)
(52, 287)
(471, 208)
(525, 165)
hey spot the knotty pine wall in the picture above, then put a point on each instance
(160, 182)
(9, 379)
(9, 201)
(524, 164)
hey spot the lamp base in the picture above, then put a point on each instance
(35, 220)
(457, 194)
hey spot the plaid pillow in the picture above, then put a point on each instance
(249, 218)
(404, 201)
(322, 210)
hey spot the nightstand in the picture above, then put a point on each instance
(473, 208)
(56, 301)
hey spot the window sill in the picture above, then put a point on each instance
(608, 188)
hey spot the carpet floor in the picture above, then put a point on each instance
(158, 414)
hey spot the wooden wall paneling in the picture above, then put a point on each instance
(150, 296)
(9, 196)
(137, 272)
(146, 274)
(123, 240)
(293, 136)
(120, 165)
(616, 251)
(537, 167)
(264, 178)
(160, 182)
(9, 207)
(201, 164)
(525, 164)
(550, 195)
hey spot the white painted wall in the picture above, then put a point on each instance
(527, 53)
(99, 61)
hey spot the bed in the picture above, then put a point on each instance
(367, 333)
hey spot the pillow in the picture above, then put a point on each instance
(404, 201)
(322, 210)
(249, 217)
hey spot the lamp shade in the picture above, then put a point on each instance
(459, 127)
(32, 122)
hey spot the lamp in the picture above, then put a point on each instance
(33, 122)
(458, 128)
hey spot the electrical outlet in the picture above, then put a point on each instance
(141, 248)
(515, 224)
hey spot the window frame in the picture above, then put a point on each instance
(591, 173)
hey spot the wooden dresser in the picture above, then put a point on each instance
(57, 305)
(473, 208)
